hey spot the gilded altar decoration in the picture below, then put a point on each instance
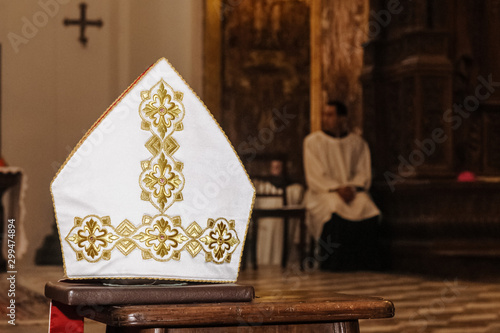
(161, 238)
(161, 179)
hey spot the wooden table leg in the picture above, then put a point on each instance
(303, 232)
(346, 327)
(255, 235)
(284, 255)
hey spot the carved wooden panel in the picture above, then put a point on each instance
(427, 217)
(433, 90)
(474, 54)
(491, 140)
(407, 115)
(344, 30)
(492, 13)
(409, 66)
(391, 134)
(266, 70)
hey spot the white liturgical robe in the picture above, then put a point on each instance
(331, 163)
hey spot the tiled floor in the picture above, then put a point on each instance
(422, 304)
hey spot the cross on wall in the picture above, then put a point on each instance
(83, 23)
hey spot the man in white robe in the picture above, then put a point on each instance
(341, 213)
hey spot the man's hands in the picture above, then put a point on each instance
(347, 193)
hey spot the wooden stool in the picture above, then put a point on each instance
(332, 313)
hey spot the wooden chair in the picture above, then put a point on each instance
(259, 169)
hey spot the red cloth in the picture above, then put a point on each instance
(64, 319)
(466, 176)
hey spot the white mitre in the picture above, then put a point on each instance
(153, 190)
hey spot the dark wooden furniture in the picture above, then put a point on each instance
(116, 292)
(258, 167)
(428, 64)
(284, 313)
(442, 227)
(7, 180)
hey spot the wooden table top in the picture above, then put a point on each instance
(261, 311)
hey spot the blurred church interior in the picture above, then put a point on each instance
(420, 78)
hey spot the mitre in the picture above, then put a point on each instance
(153, 190)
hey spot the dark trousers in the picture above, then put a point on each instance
(349, 246)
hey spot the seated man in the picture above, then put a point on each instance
(341, 213)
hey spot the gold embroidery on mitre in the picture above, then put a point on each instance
(145, 196)
(161, 179)
(179, 127)
(92, 238)
(145, 95)
(146, 254)
(161, 110)
(78, 221)
(161, 238)
(106, 255)
(194, 230)
(178, 95)
(164, 239)
(170, 145)
(219, 240)
(146, 220)
(145, 125)
(106, 220)
(154, 145)
(125, 246)
(193, 247)
(145, 165)
(126, 228)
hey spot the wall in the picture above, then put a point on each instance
(171, 29)
(53, 89)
